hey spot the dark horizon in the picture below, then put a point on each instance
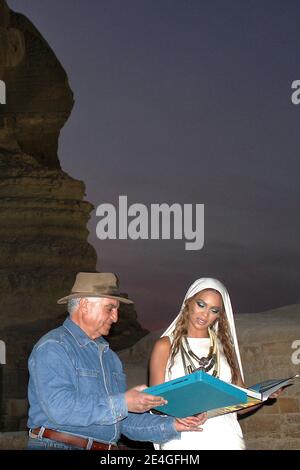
(186, 102)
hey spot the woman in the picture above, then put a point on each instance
(202, 335)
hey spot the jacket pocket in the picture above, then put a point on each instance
(87, 372)
(88, 381)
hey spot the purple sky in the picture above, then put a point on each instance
(186, 101)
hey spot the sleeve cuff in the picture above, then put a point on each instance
(168, 429)
(119, 406)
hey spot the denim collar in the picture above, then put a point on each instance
(81, 337)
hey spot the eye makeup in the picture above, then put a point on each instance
(214, 310)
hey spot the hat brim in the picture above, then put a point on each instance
(64, 300)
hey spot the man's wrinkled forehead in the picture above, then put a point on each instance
(104, 301)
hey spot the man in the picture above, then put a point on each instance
(77, 390)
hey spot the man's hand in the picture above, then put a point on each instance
(190, 423)
(139, 402)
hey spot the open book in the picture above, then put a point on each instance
(199, 392)
(256, 394)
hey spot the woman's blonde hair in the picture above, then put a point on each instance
(223, 335)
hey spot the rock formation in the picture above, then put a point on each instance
(39, 99)
(43, 230)
(43, 214)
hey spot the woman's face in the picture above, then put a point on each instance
(203, 311)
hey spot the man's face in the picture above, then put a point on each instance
(99, 315)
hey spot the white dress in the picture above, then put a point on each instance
(222, 432)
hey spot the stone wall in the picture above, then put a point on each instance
(266, 341)
(13, 440)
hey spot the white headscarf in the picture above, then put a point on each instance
(210, 283)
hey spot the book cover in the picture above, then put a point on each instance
(195, 393)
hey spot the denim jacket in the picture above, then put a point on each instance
(77, 385)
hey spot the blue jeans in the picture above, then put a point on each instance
(42, 443)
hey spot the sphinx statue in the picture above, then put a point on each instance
(43, 211)
(39, 99)
(43, 216)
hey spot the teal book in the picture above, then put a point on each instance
(196, 393)
(267, 387)
(257, 394)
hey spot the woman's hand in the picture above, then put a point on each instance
(191, 423)
(276, 394)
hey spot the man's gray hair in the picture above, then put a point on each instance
(73, 305)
